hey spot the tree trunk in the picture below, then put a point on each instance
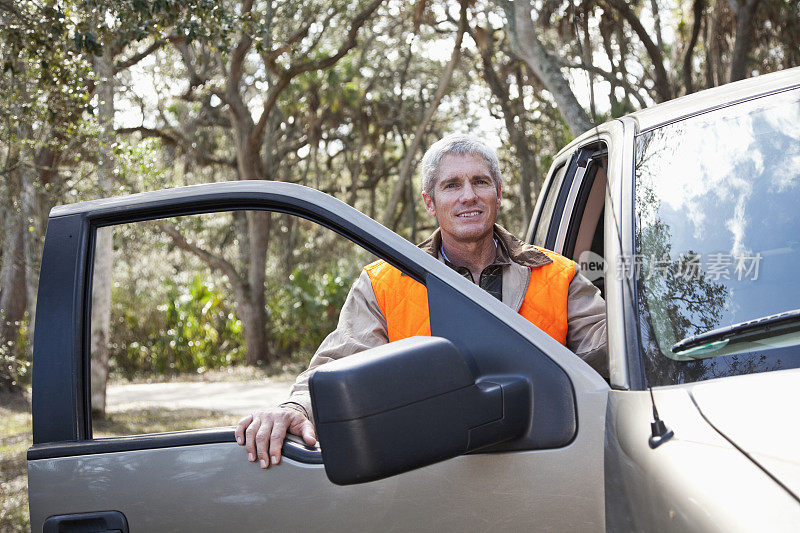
(526, 44)
(29, 218)
(255, 321)
(101, 317)
(290, 241)
(715, 52)
(355, 169)
(103, 252)
(745, 30)
(529, 179)
(33, 230)
(698, 8)
(13, 296)
(12, 281)
(48, 179)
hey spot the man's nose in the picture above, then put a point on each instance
(468, 193)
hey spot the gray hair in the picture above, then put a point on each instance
(457, 144)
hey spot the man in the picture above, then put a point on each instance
(461, 188)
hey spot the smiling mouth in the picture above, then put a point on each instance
(469, 214)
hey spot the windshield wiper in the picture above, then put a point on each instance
(765, 326)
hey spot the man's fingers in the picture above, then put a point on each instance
(276, 441)
(302, 427)
(239, 432)
(309, 437)
(262, 437)
(264, 432)
(250, 439)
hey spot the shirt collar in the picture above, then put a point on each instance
(509, 249)
(500, 256)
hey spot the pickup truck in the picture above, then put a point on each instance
(686, 215)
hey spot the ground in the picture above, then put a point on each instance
(15, 438)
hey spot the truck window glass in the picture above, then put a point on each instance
(717, 239)
(176, 353)
(549, 204)
(584, 243)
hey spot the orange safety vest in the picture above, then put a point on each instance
(404, 301)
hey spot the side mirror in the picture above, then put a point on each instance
(408, 404)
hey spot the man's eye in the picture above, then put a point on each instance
(449, 185)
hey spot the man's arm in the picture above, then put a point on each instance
(361, 326)
(586, 323)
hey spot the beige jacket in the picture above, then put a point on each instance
(362, 325)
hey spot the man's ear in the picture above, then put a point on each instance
(499, 197)
(430, 205)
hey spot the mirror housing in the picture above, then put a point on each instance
(408, 404)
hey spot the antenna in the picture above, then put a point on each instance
(659, 431)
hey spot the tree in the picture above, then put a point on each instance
(715, 42)
(106, 33)
(43, 95)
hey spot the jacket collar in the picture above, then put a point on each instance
(518, 251)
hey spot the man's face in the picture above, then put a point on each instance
(464, 200)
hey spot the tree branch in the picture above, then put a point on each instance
(271, 57)
(257, 135)
(149, 132)
(286, 149)
(195, 79)
(698, 6)
(205, 256)
(235, 71)
(176, 139)
(239, 53)
(528, 47)
(610, 77)
(135, 58)
(9, 7)
(663, 89)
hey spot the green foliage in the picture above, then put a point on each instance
(305, 310)
(44, 82)
(192, 331)
(100, 23)
(138, 167)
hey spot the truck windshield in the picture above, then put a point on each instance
(718, 240)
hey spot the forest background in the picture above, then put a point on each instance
(111, 97)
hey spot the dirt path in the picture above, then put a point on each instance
(239, 398)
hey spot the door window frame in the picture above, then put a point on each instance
(625, 363)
